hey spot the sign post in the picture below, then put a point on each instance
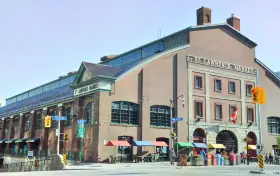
(58, 118)
(258, 97)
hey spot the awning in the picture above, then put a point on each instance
(159, 143)
(10, 141)
(142, 143)
(33, 140)
(3, 141)
(185, 144)
(216, 146)
(251, 147)
(118, 143)
(21, 140)
(200, 145)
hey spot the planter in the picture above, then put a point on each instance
(227, 162)
(197, 162)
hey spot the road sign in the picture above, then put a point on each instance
(80, 122)
(47, 121)
(260, 150)
(81, 128)
(176, 119)
(57, 132)
(58, 118)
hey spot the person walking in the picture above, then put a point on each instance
(173, 156)
(243, 156)
(266, 158)
(270, 157)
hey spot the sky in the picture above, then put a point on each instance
(42, 40)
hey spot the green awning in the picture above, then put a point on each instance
(21, 140)
(33, 140)
(10, 141)
(185, 144)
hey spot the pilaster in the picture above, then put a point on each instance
(207, 98)
(31, 132)
(44, 133)
(190, 102)
(21, 125)
(11, 129)
(2, 126)
(243, 103)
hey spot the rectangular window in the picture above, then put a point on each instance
(198, 109)
(249, 90)
(198, 82)
(231, 111)
(218, 112)
(231, 87)
(218, 85)
(250, 115)
(38, 121)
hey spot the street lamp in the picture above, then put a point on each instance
(183, 101)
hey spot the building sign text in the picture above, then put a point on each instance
(219, 64)
(86, 89)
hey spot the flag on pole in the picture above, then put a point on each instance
(234, 116)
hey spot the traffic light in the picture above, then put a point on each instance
(47, 121)
(173, 135)
(65, 136)
(255, 94)
(258, 95)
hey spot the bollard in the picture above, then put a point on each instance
(64, 159)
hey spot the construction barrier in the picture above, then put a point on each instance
(260, 161)
(36, 163)
(64, 158)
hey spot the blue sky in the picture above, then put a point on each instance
(42, 40)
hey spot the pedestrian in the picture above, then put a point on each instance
(266, 158)
(243, 156)
(270, 158)
(173, 158)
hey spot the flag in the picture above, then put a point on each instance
(234, 116)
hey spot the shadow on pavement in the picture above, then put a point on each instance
(80, 169)
(128, 174)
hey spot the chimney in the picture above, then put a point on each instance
(203, 16)
(234, 22)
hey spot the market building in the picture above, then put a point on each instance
(129, 97)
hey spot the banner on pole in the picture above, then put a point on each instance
(81, 128)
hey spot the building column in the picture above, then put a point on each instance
(207, 98)
(44, 133)
(243, 103)
(21, 125)
(190, 103)
(2, 126)
(31, 132)
(11, 131)
(77, 114)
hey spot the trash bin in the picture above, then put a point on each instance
(238, 159)
(232, 158)
(209, 159)
(219, 160)
(214, 160)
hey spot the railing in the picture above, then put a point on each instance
(22, 154)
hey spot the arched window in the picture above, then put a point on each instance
(124, 113)
(89, 113)
(53, 122)
(68, 114)
(27, 123)
(16, 126)
(160, 116)
(7, 128)
(38, 118)
(273, 125)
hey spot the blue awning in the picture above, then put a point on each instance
(142, 143)
(200, 145)
(33, 140)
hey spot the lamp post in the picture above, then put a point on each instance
(172, 123)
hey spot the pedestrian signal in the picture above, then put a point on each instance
(47, 121)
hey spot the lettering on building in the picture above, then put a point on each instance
(219, 64)
(86, 89)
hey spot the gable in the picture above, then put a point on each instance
(86, 75)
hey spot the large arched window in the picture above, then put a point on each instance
(68, 114)
(7, 128)
(160, 116)
(273, 125)
(124, 113)
(27, 123)
(38, 118)
(53, 122)
(89, 113)
(16, 126)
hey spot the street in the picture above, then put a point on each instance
(150, 169)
